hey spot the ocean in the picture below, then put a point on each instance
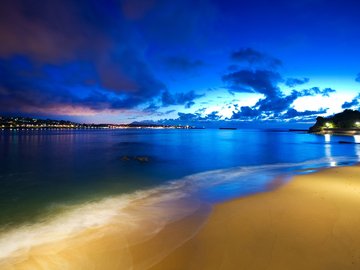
(56, 183)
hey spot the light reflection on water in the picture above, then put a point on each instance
(357, 146)
(328, 146)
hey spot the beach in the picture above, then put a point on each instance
(313, 222)
(175, 211)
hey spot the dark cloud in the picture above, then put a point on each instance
(358, 78)
(292, 82)
(275, 104)
(179, 63)
(201, 110)
(195, 117)
(253, 81)
(249, 113)
(29, 87)
(317, 91)
(188, 117)
(213, 116)
(170, 111)
(245, 112)
(254, 57)
(354, 103)
(292, 113)
(151, 108)
(100, 45)
(186, 98)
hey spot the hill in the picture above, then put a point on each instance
(348, 120)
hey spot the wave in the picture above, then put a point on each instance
(143, 214)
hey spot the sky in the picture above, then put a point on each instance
(198, 62)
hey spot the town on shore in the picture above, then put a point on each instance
(14, 123)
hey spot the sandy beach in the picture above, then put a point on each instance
(312, 222)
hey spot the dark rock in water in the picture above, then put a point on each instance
(125, 158)
(228, 128)
(345, 142)
(141, 159)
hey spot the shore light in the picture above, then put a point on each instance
(329, 125)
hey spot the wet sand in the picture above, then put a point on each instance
(113, 246)
(313, 222)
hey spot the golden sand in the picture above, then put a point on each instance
(313, 222)
(110, 247)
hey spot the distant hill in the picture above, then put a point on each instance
(346, 120)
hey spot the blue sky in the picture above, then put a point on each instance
(189, 62)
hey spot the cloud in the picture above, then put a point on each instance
(358, 78)
(317, 91)
(275, 104)
(188, 118)
(353, 103)
(245, 112)
(179, 63)
(101, 46)
(152, 108)
(27, 87)
(186, 98)
(292, 82)
(170, 111)
(213, 116)
(195, 119)
(254, 57)
(253, 81)
(292, 113)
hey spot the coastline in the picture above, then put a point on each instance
(312, 222)
(302, 224)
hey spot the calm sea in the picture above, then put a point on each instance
(44, 174)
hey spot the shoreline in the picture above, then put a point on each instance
(202, 238)
(312, 222)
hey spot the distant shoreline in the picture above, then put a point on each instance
(337, 131)
(26, 123)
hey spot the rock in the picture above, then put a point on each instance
(125, 158)
(142, 159)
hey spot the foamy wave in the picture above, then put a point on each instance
(155, 207)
